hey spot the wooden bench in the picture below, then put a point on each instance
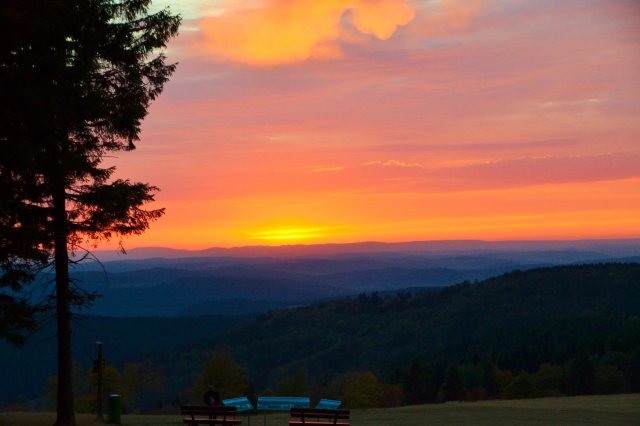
(206, 415)
(318, 417)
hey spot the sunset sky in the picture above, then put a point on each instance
(308, 121)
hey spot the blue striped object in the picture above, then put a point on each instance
(282, 403)
(329, 404)
(241, 403)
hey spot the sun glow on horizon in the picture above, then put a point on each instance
(293, 234)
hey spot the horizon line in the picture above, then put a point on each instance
(372, 242)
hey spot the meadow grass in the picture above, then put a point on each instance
(610, 410)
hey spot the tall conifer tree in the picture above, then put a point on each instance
(76, 80)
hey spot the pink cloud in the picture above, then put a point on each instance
(541, 171)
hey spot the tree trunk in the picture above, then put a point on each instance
(65, 404)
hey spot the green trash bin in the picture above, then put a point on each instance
(115, 409)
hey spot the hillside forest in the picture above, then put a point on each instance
(569, 330)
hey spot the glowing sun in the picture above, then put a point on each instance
(291, 234)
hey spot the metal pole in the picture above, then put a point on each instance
(100, 373)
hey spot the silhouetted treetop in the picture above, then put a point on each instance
(76, 80)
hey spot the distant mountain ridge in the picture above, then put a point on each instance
(615, 247)
(171, 291)
(173, 286)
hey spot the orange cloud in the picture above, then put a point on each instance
(381, 17)
(287, 31)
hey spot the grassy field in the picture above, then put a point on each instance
(610, 410)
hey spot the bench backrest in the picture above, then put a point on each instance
(282, 403)
(206, 410)
(329, 404)
(241, 403)
(317, 413)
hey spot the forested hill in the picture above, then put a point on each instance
(518, 321)
(24, 370)
(569, 316)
